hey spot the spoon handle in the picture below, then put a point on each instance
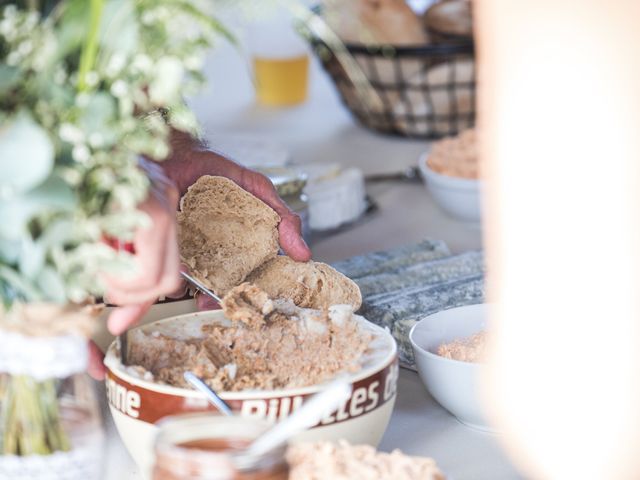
(308, 415)
(212, 396)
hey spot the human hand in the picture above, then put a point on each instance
(156, 257)
(290, 228)
(157, 264)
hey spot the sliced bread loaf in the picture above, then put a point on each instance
(225, 232)
(308, 285)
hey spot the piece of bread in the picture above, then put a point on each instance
(309, 285)
(225, 233)
(450, 18)
(375, 22)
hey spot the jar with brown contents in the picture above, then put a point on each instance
(211, 447)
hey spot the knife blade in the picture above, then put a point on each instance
(200, 286)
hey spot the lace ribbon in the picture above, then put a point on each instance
(43, 357)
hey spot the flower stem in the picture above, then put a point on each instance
(30, 421)
(90, 48)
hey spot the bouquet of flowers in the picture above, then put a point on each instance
(87, 88)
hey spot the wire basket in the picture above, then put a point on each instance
(421, 92)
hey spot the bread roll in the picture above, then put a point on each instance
(225, 233)
(450, 18)
(308, 285)
(374, 22)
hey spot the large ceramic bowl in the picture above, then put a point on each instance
(459, 197)
(137, 404)
(452, 383)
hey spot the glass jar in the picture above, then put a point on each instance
(50, 423)
(211, 447)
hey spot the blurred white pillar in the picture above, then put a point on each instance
(560, 116)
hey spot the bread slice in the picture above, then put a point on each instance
(309, 285)
(225, 232)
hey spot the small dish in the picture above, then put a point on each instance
(454, 384)
(460, 197)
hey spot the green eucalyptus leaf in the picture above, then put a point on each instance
(98, 114)
(32, 257)
(119, 28)
(26, 155)
(58, 232)
(73, 27)
(51, 284)
(9, 78)
(25, 289)
(53, 195)
(9, 250)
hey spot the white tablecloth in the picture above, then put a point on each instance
(321, 130)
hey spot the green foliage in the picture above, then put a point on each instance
(79, 82)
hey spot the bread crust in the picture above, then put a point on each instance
(224, 232)
(227, 236)
(308, 284)
(375, 22)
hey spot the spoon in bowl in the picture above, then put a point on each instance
(210, 393)
(306, 416)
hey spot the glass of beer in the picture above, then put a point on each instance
(280, 61)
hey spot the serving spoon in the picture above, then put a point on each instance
(306, 416)
(310, 413)
(214, 399)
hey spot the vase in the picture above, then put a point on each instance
(50, 423)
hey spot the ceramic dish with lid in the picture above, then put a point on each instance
(137, 403)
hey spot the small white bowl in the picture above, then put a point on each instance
(452, 383)
(460, 197)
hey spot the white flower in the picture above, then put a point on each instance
(96, 140)
(194, 62)
(105, 178)
(160, 150)
(10, 11)
(82, 99)
(70, 133)
(45, 53)
(71, 176)
(165, 88)
(119, 88)
(81, 153)
(7, 27)
(60, 76)
(13, 59)
(32, 19)
(163, 13)
(148, 17)
(116, 63)
(92, 78)
(25, 47)
(142, 63)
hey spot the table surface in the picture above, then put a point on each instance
(321, 130)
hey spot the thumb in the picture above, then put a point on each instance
(124, 317)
